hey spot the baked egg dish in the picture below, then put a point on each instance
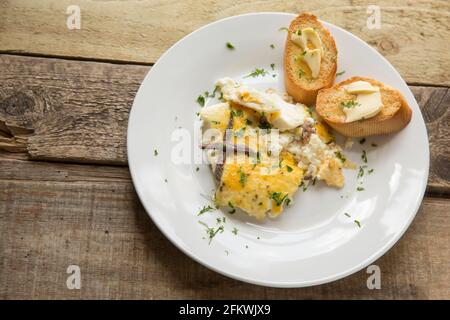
(262, 148)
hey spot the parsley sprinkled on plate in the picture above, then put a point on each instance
(155, 152)
(364, 156)
(272, 65)
(201, 100)
(230, 46)
(235, 231)
(232, 208)
(242, 178)
(256, 73)
(359, 189)
(211, 232)
(272, 46)
(357, 223)
(347, 215)
(283, 29)
(205, 209)
(362, 141)
(340, 73)
(289, 169)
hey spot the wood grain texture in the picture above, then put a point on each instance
(55, 215)
(414, 35)
(73, 111)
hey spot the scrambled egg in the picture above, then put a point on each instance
(258, 169)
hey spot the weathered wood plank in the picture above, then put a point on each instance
(150, 27)
(73, 111)
(55, 215)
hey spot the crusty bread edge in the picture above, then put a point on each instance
(300, 94)
(371, 127)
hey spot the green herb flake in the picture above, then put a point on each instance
(362, 141)
(340, 73)
(237, 113)
(340, 156)
(205, 209)
(242, 178)
(357, 223)
(349, 104)
(197, 169)
(289, 169)
(301, 73)
(232, 208)
(235, 231)
(279, 199)
(155, 152)
(272, 46)
(165, 180)
(201, 100)
(211, 232)
(283, 29)
(359, 189)
(256, 73)
(347, 215)
(230, 46)
(364, 156)
(374, 145)
(370, 171)
(272, 65)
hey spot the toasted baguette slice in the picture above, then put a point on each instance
(298, 81)
(394, 115)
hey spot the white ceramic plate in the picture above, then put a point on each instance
(313, 241)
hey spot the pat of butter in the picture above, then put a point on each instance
(367, 105)
(309, 40)
(312, 59)
(360, 87)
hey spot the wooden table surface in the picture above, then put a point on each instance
(66, 197)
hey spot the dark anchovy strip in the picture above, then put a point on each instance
(219, 166)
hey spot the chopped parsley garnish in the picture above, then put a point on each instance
(155, 152)
(349, 104)
(215, 122)
(232, 208)
(242, 178)
(196, 169)
(272, 46)
(284, 29)
(201, 100)
(361, 171)
(359, 189)
(370, 171)
(364, 156)
(272, 65)
(237, 113)
(248, 122)
(289, 169)
(357, 223)
(165, 180)
(340, 73)
(301, 73)
(235, 231)
(211, 232)
(230, 46)
(205, 209)
(362, 141)
(347, 214)
(256, 73)
(298, 32)
(279, 198)
(264, 124)
(340, 156)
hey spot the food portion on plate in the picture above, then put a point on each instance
(262, 147)
(310, 58)
(361, 107)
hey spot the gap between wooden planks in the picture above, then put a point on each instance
(414, 34)
(77, 111)
(56, 214)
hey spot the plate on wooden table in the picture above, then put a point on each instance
(326, 234)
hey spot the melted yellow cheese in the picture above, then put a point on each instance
(261, 183)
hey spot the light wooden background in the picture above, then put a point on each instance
(65, 192)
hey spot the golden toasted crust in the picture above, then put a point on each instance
(393, 117)
(303, 88)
